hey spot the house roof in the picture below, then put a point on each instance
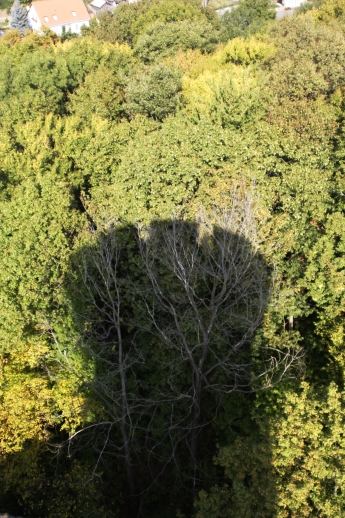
(60, 12)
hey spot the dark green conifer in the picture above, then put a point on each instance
(19, 17)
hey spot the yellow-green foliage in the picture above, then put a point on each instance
(26, 405)
(246, 51)
(331, 10)
(224, 78)
(239, 51)
(308, 453)
(296, 469)
(209, 90)
(92, 47)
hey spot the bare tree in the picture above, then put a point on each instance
(204, 287)
(113, 355)
(210, 287)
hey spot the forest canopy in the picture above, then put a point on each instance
(172, 266)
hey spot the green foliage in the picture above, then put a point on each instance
(106, 102)
(163, 39)
(114, 27)
(154, 91)
(36, 82)
(311, 46)
(130, 21)
(290, 474)
(331, 10)
(144, 119)
(249, 17)
(309, 462)
(46, 480)
(86, 55)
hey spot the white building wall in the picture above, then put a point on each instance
(37, 26)
(74, 27)
(292, 4)
(34, 20)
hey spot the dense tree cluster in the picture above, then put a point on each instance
(172, 266)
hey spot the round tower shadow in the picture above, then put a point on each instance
(168, 314)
